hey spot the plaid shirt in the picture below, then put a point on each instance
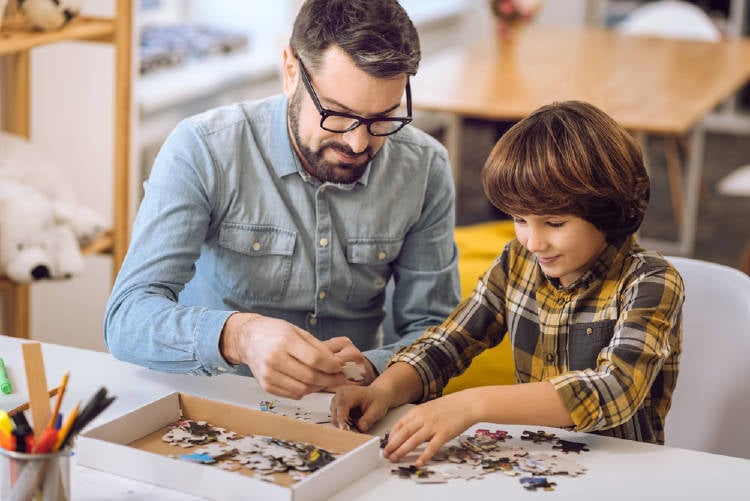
(609, 343)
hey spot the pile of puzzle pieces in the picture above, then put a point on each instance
(231, 451)
(471, 457)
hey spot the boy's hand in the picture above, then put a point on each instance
(367, 403)
(434, 422)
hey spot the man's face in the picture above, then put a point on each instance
(341, 87)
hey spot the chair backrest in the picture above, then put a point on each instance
(711, 404)
(670, 19)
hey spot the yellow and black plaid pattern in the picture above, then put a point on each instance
(609, 343)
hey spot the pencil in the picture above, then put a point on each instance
(25, 407)
(58, 401)
(66, 427)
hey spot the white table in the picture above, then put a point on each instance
(617, 469)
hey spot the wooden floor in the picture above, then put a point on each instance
(723, 222)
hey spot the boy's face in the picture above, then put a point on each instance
(565, 246)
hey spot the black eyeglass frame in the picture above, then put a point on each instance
(325, 113)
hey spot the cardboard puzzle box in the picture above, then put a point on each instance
(132, 446)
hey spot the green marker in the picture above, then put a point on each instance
(4, 381)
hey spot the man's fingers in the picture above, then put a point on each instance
(344, 349)
(286, 376)
(314, 353)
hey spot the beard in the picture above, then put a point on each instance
(313, 161)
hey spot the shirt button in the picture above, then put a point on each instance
(220, 369)
(589, 330)
(322, 295)
(324, 242)
(256, 246)
(561, 300)
(382, 255)
(550, 357)
(313, 321)
(322, 189)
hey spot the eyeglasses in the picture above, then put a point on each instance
(333, 121)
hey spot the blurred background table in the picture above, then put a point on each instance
(649, 85)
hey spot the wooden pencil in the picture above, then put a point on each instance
(24, 407)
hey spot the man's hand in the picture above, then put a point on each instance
(286, 360)
(345, 351)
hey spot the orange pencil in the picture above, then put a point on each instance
(58, 401)
(65, 428)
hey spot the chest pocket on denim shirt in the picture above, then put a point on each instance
(261, 270)
(586, 341)
(369, 268)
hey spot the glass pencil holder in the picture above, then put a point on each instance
(37, 477)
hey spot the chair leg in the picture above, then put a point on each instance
(674, 176)
(744, 264)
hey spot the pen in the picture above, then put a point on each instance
(4, 381)
(23, 433)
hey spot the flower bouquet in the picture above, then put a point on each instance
(511, 15)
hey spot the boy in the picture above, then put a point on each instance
(594, 319)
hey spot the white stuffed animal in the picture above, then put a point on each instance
(33, 242)
(41, 224)
(49, 14)
(22, 162)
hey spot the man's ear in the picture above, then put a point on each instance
(290, 68)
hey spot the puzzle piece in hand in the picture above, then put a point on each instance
(354, 414)
(567, 446)
(538, 436)
(353, 371)
(384, 440)
(534, 483)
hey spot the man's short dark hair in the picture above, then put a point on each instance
(377, 34)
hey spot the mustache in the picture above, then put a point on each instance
(346, 150)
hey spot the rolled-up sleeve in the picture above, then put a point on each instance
(144, 324)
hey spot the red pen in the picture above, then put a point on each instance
(46, 442)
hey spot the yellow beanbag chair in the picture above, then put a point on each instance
(478, 246)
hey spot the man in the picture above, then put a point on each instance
(269, 229)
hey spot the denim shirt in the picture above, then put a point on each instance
(230, 222)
